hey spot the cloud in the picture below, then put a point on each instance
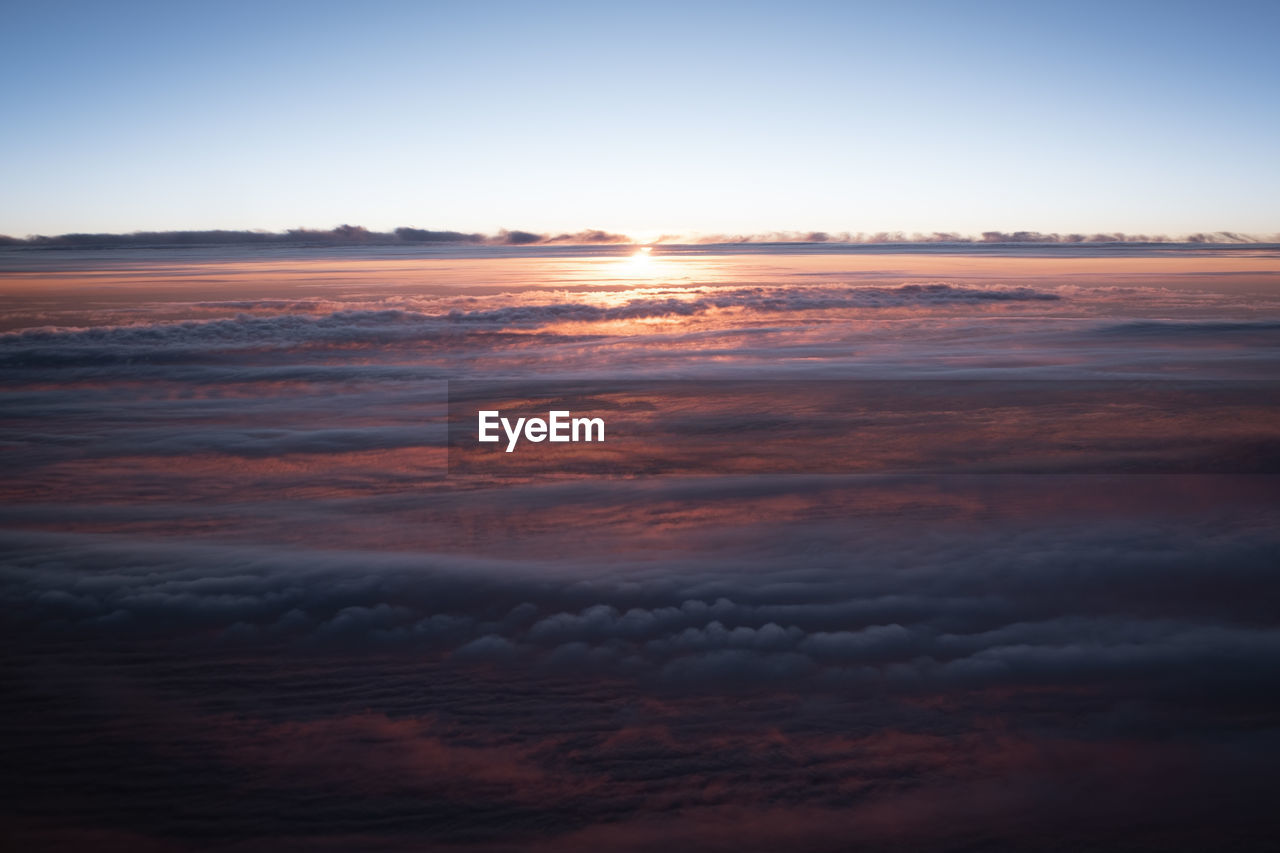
(589, 236)
(195, 339)
(358, 235)
(990, 237)
(244, 607)
(816, 668)
(1047, 624)
(546, 663)
(342, 235)
(518, 238)
(1212, 330)
(422, 235)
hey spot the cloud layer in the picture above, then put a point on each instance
(246, 606)
(357, 235)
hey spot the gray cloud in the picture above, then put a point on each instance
(1134, 612)
(357, 235)
(342, 235)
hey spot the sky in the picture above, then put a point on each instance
(640, 118)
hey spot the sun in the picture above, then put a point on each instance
(640, 263)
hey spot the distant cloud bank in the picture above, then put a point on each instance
(342, 235)
(357, 235)
(984, 237)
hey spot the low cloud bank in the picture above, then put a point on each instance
(984, 237)
(343, 235)
(357, 235)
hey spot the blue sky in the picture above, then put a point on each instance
(643, 118)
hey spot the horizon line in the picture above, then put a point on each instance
(357, 235)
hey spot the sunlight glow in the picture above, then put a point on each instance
(642, 264)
